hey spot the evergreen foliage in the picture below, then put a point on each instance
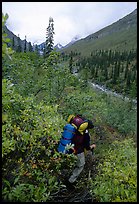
(49, 37)
(19, 48)
(13, 44)
(25, 46)
(113, 69)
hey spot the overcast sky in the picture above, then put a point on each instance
(70, 18)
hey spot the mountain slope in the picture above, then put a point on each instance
(121, 35)
(12, 36)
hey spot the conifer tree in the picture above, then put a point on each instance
(30, 47)
(36, 49)
(126, 70)
(19, 48)
(105, 72)
(13, 43)
(25, 45)
(49, 37)
(115, 73)
(71, 61)
(128, 79)
(118, 68)
(96, 71)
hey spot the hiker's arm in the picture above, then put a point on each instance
(93, 146)
(87, 141)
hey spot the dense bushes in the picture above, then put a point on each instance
(31, 133)
(113, 111)
(116, 180)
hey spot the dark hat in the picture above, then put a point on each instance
(90, 124)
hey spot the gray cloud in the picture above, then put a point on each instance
(70, 18)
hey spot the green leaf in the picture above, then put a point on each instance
(7, 182)
(16, 180)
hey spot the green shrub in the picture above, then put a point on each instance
(116, 180)
(31, 133)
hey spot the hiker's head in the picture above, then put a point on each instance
(70, 118)
(90, 124)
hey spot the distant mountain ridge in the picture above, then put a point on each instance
(58, 46)
(125, 29)
(76, 38)
(128, 21)
(41, 46)
(121, 34)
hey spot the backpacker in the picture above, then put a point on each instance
(79, 123)
(67, 135)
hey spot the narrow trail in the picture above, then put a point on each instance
(81, 192)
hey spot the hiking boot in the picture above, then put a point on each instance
(69, 185)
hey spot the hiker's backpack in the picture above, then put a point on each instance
(80, 123)
(66, 139)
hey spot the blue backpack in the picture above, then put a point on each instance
(66, 139)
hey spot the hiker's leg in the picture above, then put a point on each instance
(79, 167)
